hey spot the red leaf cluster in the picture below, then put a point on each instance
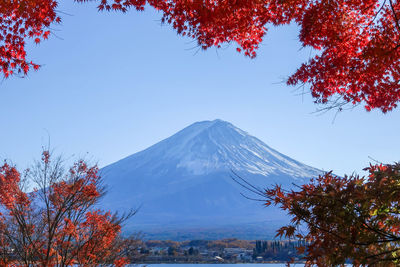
(350, 218)
(20, 20)
(357, 41)
(57, 224)
(10, 193)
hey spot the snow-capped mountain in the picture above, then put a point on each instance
(184, 182)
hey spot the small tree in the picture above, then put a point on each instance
(57, 224)
(352, 218)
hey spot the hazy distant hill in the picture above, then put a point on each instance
(184, 188)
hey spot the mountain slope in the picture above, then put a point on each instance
(184, 181)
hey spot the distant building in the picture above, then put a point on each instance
(232, 251)
(259, 258)
(218, 258)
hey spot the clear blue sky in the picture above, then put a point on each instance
(114, 84)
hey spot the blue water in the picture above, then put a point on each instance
(224, 265)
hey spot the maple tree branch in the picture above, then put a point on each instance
(395, 15)
(246, 185)
(377, 13)
(383, 253)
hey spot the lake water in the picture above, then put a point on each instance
(224, 265)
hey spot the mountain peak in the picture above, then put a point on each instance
(219, 123)
(213, 126)
(214, 146)
(207, 124)
(212, 121)
(184, 181)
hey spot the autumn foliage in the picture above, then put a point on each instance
(352, 218)
(20, 20)
(356, 41)
(57, 224)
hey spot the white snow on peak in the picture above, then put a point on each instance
(212, 146)
(185, 179)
